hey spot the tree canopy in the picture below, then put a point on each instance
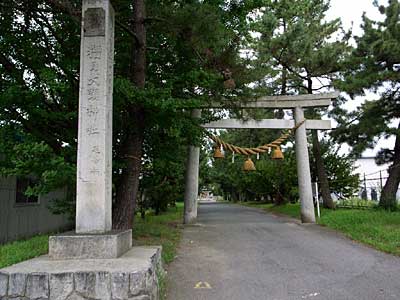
(374, 66)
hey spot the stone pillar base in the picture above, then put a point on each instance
(133, 276)
(71, 245)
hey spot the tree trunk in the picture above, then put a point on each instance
(138, 65)
(127, 189)
(388, 196)
(319, 162)
(321, 172)
(279, 199)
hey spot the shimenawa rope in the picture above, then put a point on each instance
(260, 149)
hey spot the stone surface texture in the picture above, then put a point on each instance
(77, 246)
(266, 124)
(94, 170)
(282, 101)
(134, 276)
(192, 179)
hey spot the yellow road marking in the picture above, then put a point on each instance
(202, 285)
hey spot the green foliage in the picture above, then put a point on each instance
(275, 180)
(189, 45)
(340, 170)
(39, 60)
(374, 66)
(356, 202)
(377, 228)
(272, 179)
(301, 53)
(18, 251)
(297, 45)
(361, 128)
(39, 159)
(162, 284)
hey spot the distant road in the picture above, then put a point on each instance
(239, 253)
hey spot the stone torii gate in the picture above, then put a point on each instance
(296, 103)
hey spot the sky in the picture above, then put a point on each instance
(350, 12)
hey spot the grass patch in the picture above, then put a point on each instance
(164, 229)
(18, 251)
(357, 203)
(375, 227)
(162, 284)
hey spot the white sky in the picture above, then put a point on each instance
(350, 12)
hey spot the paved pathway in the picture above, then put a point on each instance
(241, 253)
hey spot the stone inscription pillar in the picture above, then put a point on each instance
(94, 174)
(192, 179)
(303, 170)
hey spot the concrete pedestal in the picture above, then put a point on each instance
(132, 276)
(71, 245)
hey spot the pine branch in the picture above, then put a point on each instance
(128, 30)
(322, 87)
(66, 6)
(290, 69)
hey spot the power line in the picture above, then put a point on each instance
(384, 170)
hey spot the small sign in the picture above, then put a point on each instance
(202, 285)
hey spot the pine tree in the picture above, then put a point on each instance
(374, 66)
(305, 53)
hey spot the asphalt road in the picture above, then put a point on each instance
(242, 253)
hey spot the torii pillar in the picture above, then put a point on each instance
(303, 169)
(192, 179)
